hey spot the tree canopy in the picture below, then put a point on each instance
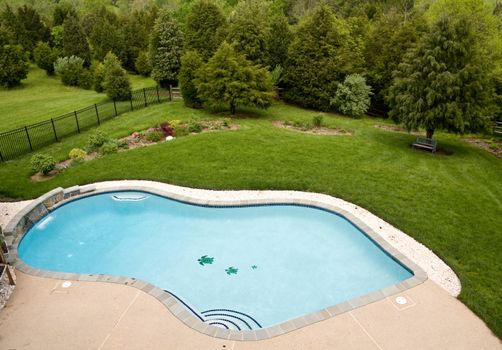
(228, 77)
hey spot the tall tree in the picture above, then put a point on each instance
(321, 54)
(205, 28)
(30, 29)
(166, 45)
(278, 39)
(443, 82)
(388, 40)
(74, 41)
(228, 77)
(191, 62)
(248, 30)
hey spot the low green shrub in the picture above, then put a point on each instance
(108, 147)
(96, 140)
(42, 163)
(194, 126)
(181, 130)
(154, 136)
(77, 153)
(317, 120)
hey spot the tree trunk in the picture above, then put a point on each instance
(232, 108)
(429, 133)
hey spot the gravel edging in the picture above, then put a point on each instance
(436, 269)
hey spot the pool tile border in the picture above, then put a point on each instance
(24, 219)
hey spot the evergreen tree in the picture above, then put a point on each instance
(30, 28)
(191, 62)
(387, 42)
(319, 57)
(70, 69)
(74, 41)
(249, 30)
(61, 12)
(205, 28)
(142, 64)
(279, 38)
(166, 45)
(45, 57)
(13, 65)
(115, 80)
(442, 83)
(228, 77)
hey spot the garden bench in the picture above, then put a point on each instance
(425, 143)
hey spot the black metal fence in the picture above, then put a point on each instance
(26, 139)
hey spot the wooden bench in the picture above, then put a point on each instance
(425, 143)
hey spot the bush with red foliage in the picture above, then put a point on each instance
(166, 129)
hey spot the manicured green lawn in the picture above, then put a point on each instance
(41, 97)
(452, 204)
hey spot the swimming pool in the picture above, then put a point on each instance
(241, 267)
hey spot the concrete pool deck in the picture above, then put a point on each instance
(41, 314)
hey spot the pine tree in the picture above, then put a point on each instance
(30, 28)
(191, 62)
(75, 41)
(279, 38)
(249, 30)
(442, 83)
(228, 77)
(13, 65)
(166, 45)
(115, 81)
(319, 57)
(205, 28)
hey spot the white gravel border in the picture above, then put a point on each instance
(436, 269)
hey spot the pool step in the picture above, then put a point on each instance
(223, 318)
(230, 319)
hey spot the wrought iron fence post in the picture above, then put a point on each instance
(170, 92)
(76, 120)
(1, 157)
(144, 95)
(54, 129)
(115, 107)
(130, 100)
(158, 96)
(28, 136)
(97, 114)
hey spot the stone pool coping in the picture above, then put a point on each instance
(26, 217)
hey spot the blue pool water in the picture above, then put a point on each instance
(273, 263)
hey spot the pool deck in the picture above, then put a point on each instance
(41, 314)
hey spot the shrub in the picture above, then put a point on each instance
(70, 69)
(317, 120)
(194, 126)
(181, 130)
(86, 80)
(42, 163)
(115, 80)
(96, 140)
(277, 75)
(142, 64)
(154, 136)
(108, 147)
(13, 65)
(77, 153)
(45, 57)
(353, 96)
(166, 129)
(98, 74)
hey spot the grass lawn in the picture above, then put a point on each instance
(452, 204)
(41, 97)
